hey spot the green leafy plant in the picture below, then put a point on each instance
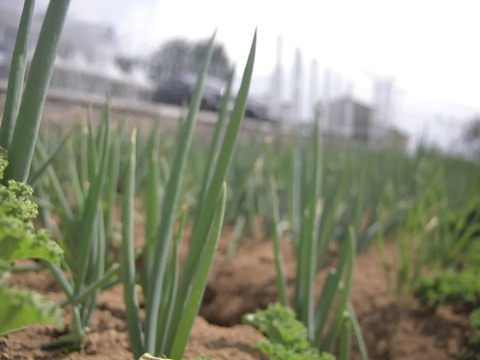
(18, 237)
(19, 240)
(19, 308)
(453, 285)
(460, 285)
(286, 337)
(449, 287)
(456, 287)
(475, 320)
(473, 346)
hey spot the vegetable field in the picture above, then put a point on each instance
(123, 242)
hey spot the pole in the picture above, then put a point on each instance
(297, 88)
(348, 111)
(327, 85)
(313, 99)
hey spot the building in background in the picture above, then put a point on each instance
(343, 116)
(384, 96)
(358, 127)
(397, 140)
(86, 61)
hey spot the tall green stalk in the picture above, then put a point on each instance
(33, 99)
(16, 77)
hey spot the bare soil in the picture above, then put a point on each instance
(393, 329)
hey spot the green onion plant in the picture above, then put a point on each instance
(173, 300)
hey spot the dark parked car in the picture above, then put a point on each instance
(178, 89)
(256, 109)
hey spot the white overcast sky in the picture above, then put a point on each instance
(430, 46)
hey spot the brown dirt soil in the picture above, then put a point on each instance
(393, 330)
(108, 338)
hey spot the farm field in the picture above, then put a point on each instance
(123, 241)
(243, 277)
(392, 329)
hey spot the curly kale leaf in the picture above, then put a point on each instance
(19, 308)
(287, 338)
(19, 241)
(18, 237)
(448, 287)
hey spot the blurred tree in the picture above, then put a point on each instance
(181, 56)
(220, 65)
(170, 59)
(471, 136)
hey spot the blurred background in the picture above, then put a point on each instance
(382, 71)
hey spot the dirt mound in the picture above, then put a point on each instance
(242, 284)
(393, 330)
